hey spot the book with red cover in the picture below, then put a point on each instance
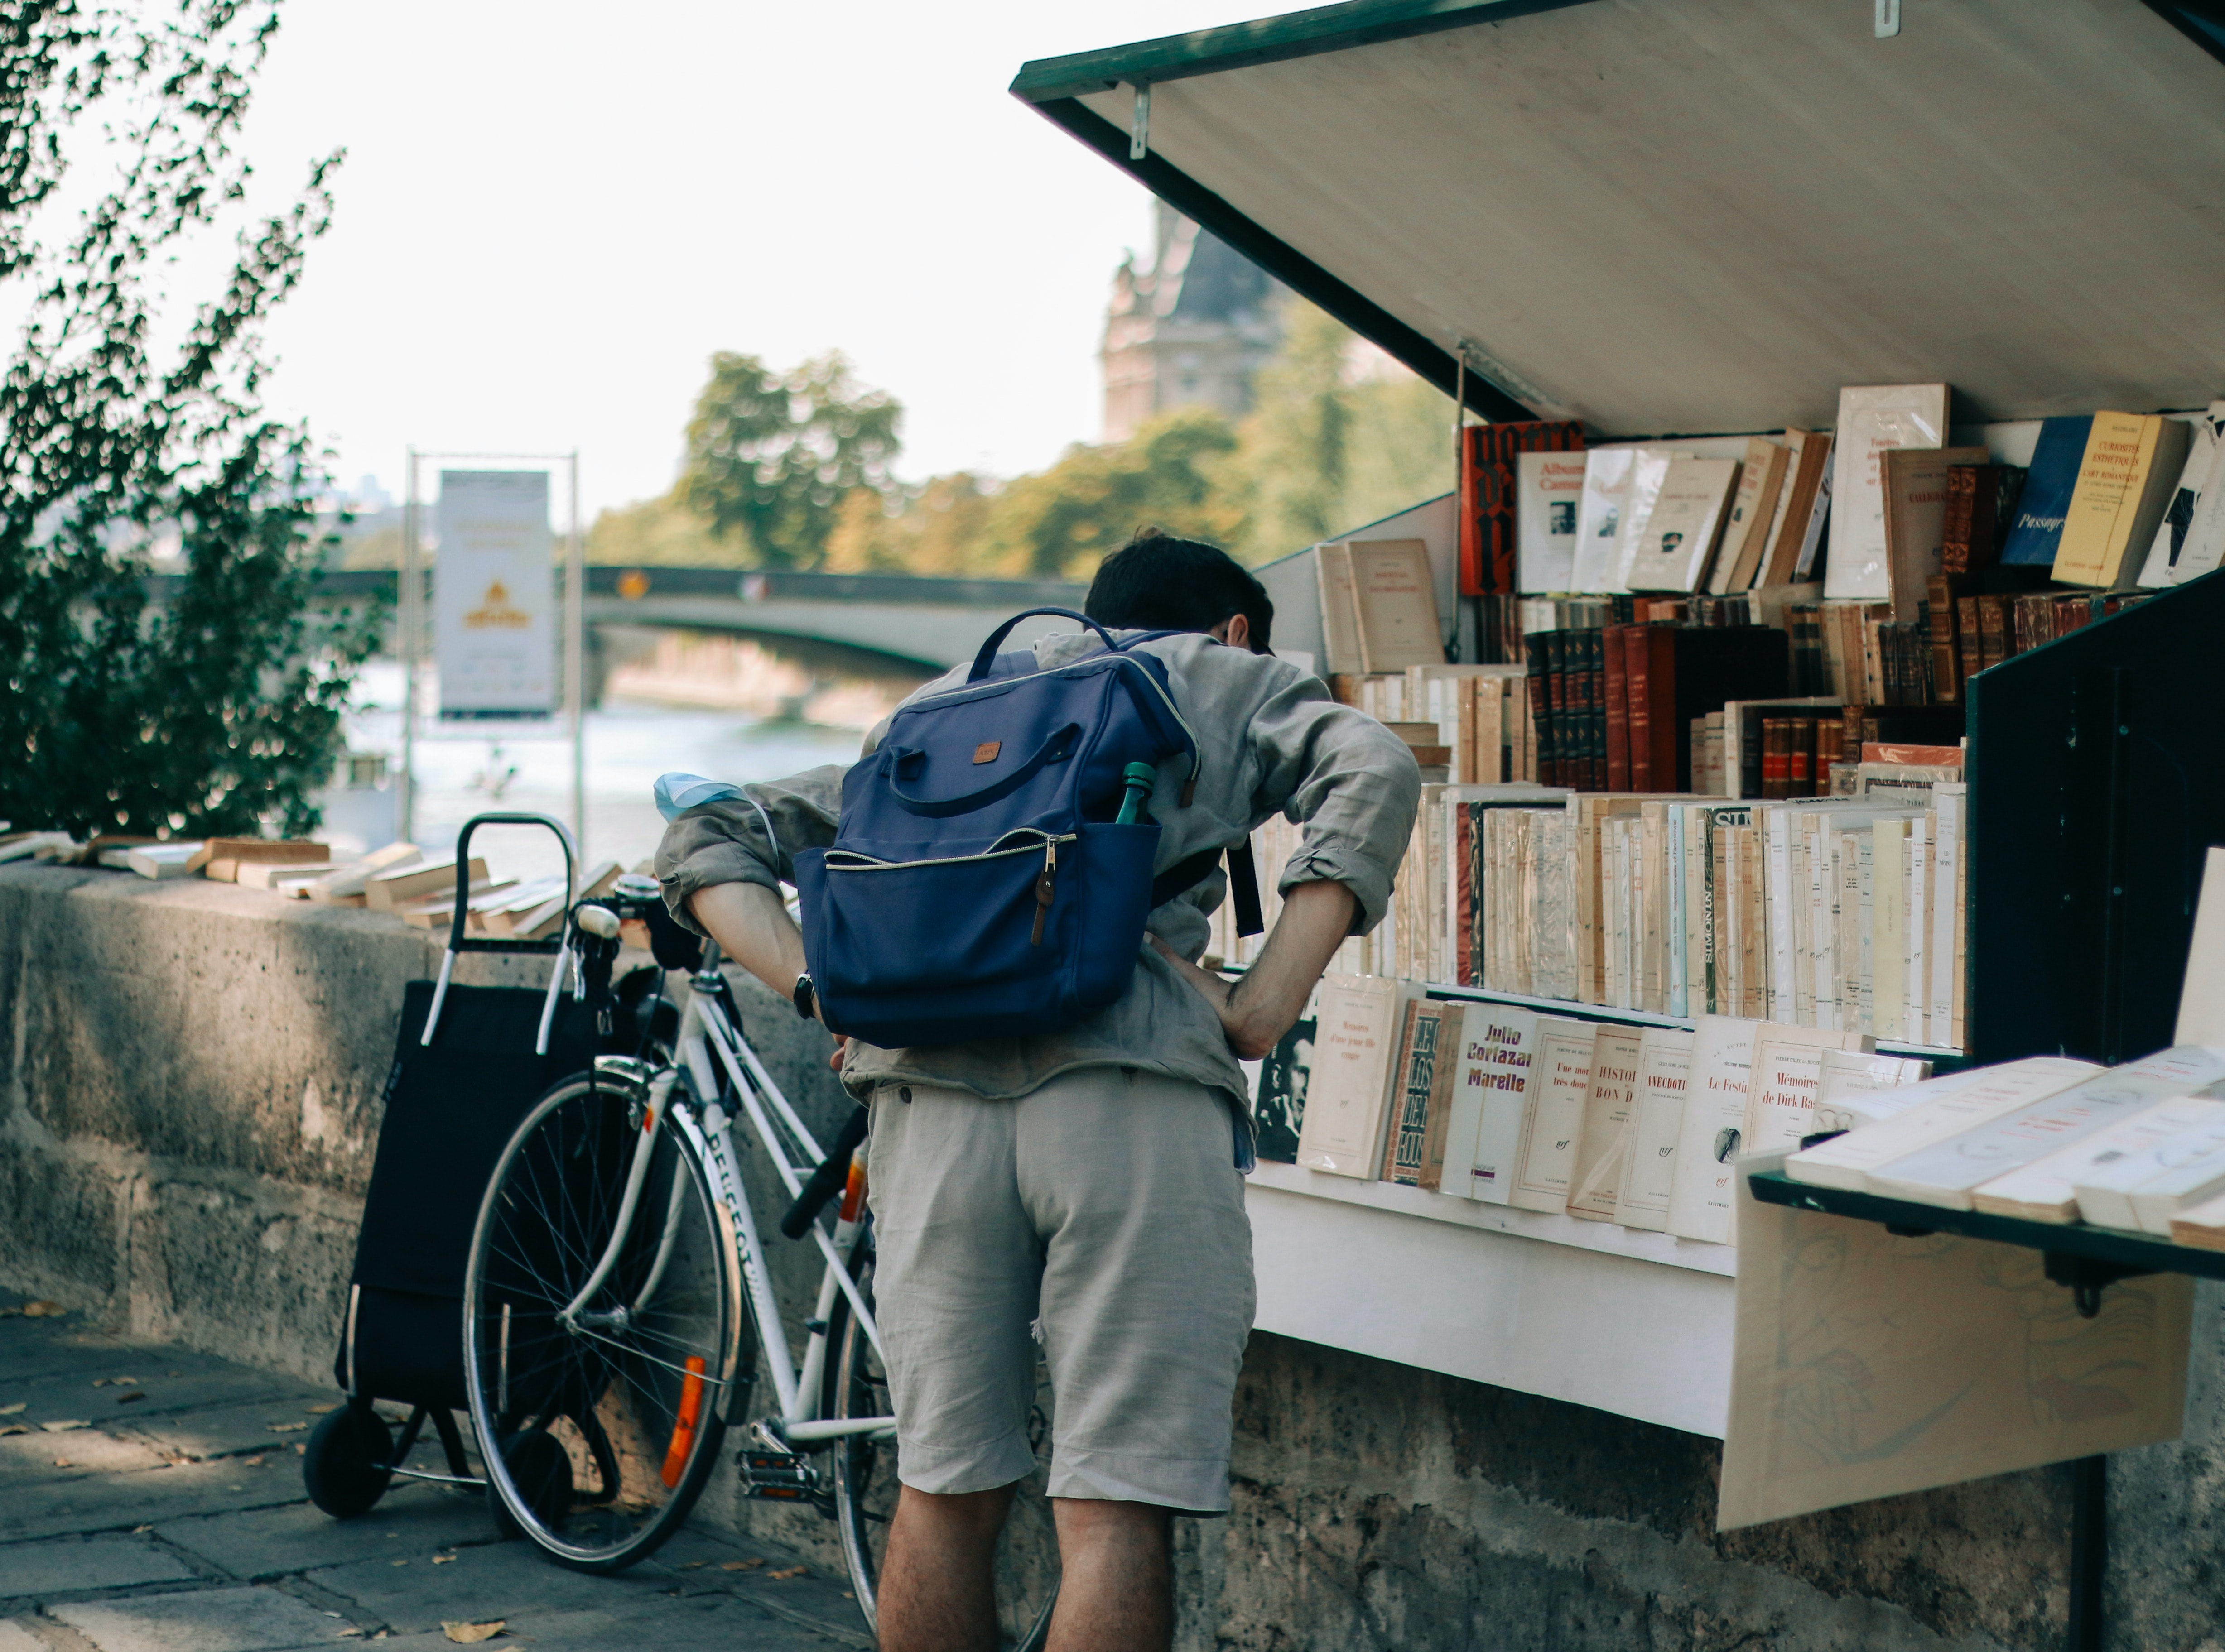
(1898, 751)
(1619, 709)
(1488, 478)
(1687, 672)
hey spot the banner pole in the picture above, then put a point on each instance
(575, 668)
(410, 621)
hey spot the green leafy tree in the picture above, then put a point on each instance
(217, 707)
(772, 456)
(1063, 521)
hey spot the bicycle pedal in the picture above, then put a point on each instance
(776, 1477)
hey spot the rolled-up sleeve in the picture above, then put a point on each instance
(725, 842)
(1349, 781)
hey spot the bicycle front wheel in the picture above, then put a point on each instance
(865, 1483)
(600, 1426)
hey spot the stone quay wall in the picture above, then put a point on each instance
(189, 1105)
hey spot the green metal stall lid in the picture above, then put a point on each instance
(1706, 216)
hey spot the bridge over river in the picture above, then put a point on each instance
(893, 617)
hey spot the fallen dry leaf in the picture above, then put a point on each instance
(301, 1450)
(65, 1426)
(13, 1428)
(136, 1530)
(123, 1382)
(136, 1394)
(472, 1634)
(740, 1566)
(255, 1462)
(43, 1310)
(689, 1566)
(288, 1427)
(100, 1382)
(442, 1560)
(401, 1562)
(10, 1410)
(786, 1573)
(319, 1410)
(62, 1462)
(10, 1313)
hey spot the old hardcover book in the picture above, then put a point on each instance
(1395, 600)
(1915, 484)
(1657, 1125)
(1753, 507)
(1340, 612)
(1490, 477)
(2048, 1189)
(2125, 480)
(1414, 1151)
(220, 858)
(1355, 1047)
(1598, 1170)
(2036, 527)
(1615, 650)
(1712, 1130)
(1807, 503)
(1873, 419)
(385, 890)
(1947, 1173)
(1560, 1078)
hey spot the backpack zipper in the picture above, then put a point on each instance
(1196, 751)
(1046, 889)
(856, 861)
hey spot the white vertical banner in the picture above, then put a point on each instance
(494, 594)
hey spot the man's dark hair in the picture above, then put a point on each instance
(1157, 583)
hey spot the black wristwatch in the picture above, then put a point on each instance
(807, 999)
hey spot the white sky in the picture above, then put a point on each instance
(550, 216)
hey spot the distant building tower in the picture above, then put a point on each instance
(1189, 332)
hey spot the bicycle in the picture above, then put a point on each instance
(618, 1302)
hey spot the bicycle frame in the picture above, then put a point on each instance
(717, 1060)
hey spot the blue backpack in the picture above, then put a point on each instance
(979, 886)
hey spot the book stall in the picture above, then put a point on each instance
(1808, 664)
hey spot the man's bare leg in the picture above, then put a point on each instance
(1116, 1592)
(936, 1591)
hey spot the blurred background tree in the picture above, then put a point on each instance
(125, 425)
(772, 456)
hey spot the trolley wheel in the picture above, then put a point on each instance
(348, 1464)
(542, 1470)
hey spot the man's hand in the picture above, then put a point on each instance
(1259, 1010)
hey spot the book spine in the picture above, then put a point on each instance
(1954, 537)
(1969, 644)
(1645, 715)
(1617, 708)
(1800, 757)
(1544, 686)
(1595, 658)
(1774, 761)
(1941, 611)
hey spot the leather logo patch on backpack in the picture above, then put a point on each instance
(987, 751)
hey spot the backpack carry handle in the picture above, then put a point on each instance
(1056, 749)
(987, 657)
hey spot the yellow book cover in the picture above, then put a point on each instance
(2120, 451)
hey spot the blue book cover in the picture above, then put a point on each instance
(2046, 498)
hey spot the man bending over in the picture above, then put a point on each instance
(1093, 1178)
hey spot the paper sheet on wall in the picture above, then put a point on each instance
(1865, 1366)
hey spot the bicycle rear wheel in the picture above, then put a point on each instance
(600, 1434)
(865, 1483)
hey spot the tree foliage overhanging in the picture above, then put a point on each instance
(125, 422)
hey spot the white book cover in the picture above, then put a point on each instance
(1548, 502)
(2202, 991)
(1675, 545)
(1649, 470)
(1599, 522)
(2048, 1189)
(1713, 1128)
(1787, 1072)
(1490, 1100)
(2142, 1188)
(1602, 1146)
(1657, 1124)
(1946, 1173)
(1362, 1020)
(1914, 1117)
(1562, 1079)
(1949, 801)
(1873, 418)
(1859, 1087)
(2171, 557)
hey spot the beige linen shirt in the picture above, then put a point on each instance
(1270, 741)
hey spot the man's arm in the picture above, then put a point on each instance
(752, 925)
(1259, 1009)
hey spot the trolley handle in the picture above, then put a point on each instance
(456, 941)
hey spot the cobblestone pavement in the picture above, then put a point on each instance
(151, 1501)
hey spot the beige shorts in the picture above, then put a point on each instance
(1105, 1204)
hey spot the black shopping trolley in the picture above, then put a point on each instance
(468, 1063)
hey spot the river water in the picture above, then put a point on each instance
(471, 768)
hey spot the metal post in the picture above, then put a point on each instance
(2089, 1551)
(410, 619)
(576, 662)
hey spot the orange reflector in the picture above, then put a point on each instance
(683, 1429)
(648, 1120)
(854, 1191)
